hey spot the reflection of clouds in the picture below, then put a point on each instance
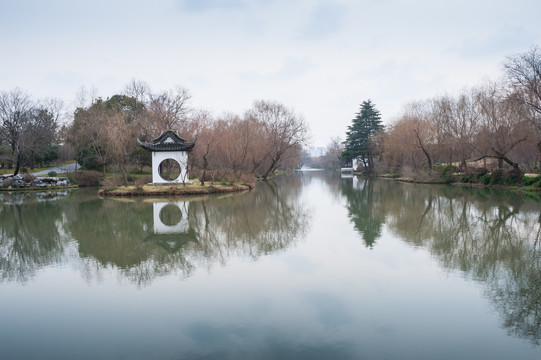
(490, 237)
(217, 341)
(331, 310)
(299, 264)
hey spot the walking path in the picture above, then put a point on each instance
(59, 169)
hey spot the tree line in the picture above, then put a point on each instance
(28, 130)
(103, 133)
(493, 125)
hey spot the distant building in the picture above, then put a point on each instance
(316, 151)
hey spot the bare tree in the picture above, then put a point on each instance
(524, 77)
(285, 131)
(500, 124)
(15, 116)
(206, 146)
(167, 110)
(416, 116)
(463, 124)
(334, 148)
(120, 133)
(524, 84)
(137, 89)
(40, 136)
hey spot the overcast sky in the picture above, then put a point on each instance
(322, 58)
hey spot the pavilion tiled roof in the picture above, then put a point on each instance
(167, 141)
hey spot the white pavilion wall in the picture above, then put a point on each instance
(179, 156)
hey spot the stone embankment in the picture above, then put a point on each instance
(29, 181)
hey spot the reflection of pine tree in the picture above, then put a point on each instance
(362, 208)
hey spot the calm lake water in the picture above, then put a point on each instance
(310, 266)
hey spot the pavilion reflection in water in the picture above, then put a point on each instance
(171, 225)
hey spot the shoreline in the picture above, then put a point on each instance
(514, 187)
(38, 189)
(174, 190)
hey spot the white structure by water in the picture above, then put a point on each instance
(354, 166)
(169, 146)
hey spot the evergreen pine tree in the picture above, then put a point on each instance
(360, 135)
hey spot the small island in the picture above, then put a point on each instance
(170, 150)
(194, 188)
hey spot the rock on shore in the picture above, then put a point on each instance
(29, 181)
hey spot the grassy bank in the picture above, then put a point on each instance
(174, 190)
(474, 178)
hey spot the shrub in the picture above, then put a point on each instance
(449, 170)
(512, 177)
(86, 178)
(227, 179)
(112, 182)
(480, 171)
(497, 177)
(52, 174)
(468, 178)
(485, 179)
(529, 180)
(445, 169)
(445, 172)
(143, 180)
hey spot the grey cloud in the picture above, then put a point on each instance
(291, 68)
(204, 5)
(507, 39)
(325, 19)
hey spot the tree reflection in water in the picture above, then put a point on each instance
(491, 236)
(30, 233)
(364, 207)
(119, 234)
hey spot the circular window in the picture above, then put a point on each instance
(170, 215)
(169, 169)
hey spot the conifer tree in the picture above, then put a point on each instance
(359, 142)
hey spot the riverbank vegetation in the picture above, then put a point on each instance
(489, 134)
(486, 135)
(101, 134)
(266, 137)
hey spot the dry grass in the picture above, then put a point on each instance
(189, 189)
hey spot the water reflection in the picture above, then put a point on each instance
(30, 233)
(143, 239)
(364, 204)
(490, 236)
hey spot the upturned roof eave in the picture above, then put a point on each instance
(157, 144)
